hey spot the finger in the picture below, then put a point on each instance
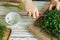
(29, 13)
(34, 15)
(25, 9)
(37, 14)
(57, 7)
(50, 8)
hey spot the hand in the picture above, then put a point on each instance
(31, 9)
(54, 3)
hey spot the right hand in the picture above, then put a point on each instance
(31, 9)
(54, 3)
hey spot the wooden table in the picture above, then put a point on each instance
(19, 31)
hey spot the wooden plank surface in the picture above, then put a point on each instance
(19, 31)
(40, 34)
(7, 34)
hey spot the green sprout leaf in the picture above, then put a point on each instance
(20, 6)
(2, 30)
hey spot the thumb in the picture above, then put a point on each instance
(50, 7)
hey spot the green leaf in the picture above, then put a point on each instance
(51, 22)
(2, 30)
(20, 6)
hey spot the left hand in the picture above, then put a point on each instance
(54, 3)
